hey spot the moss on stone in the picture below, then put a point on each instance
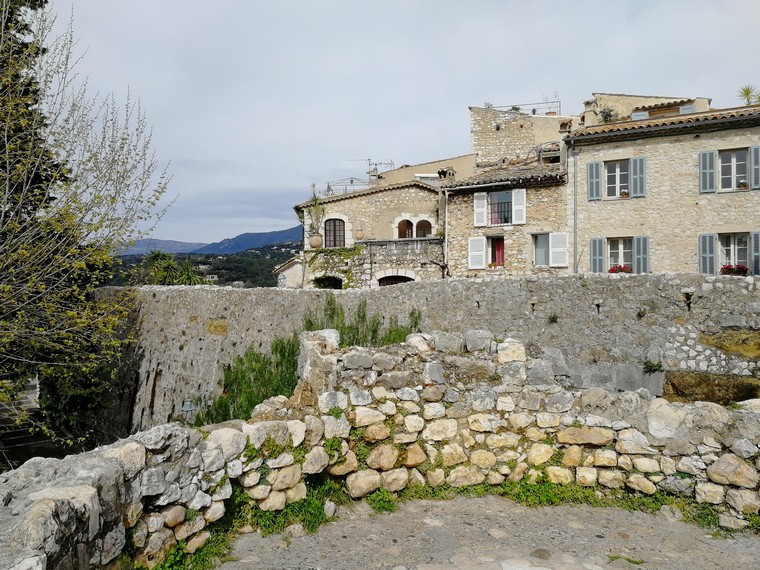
(724, 389)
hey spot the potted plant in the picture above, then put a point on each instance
(624, 194)
(316, 212)
(620, 269)
(742, 185)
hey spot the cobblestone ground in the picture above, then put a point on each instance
(495, 533)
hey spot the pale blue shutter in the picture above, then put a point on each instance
(707, 171)
(596, 248)
(707, 253)
(754, 167)
(755, 255)
(593, 180)
(638, 177)
(641, 254)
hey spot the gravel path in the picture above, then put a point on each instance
(495, 533)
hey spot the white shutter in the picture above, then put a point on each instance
(476, 247)
(518, 206)
(480, 205)
(558, 250)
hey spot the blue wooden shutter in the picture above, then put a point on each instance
(596, 248)
(641, 254)
(707, 263)
(755, 253)
(593, 180)
(638, 177)
(707, 160)
(754, 167)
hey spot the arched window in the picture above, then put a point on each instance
(335, 233)
(328, 282)
(424, 229)
(405, 229)
(393, 280)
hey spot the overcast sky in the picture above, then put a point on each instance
(253, 100)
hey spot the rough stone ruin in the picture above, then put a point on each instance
(441, 408)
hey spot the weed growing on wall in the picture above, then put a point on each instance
(251, 379)
(362, 329)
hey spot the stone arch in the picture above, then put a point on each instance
(327, 282)
(406, 217)
(423, 229)
(405, 229)
(407, 275)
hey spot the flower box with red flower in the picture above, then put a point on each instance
(738, 269)
(620, 269)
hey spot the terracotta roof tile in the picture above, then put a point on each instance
(644, 125)
(370, 190)
(663, 104)
(512, 175)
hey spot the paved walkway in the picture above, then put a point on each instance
(495, 533)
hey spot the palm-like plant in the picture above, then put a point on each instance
(749, 94)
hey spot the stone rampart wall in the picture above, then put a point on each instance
(604, 326)
(442, 409)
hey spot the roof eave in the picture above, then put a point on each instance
(663, 130)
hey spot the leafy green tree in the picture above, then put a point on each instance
(77, 180)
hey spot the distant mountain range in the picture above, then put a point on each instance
(228, 246)
(244, 242)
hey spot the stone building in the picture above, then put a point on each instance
(612, 107)
(501, 136)
(635, 183)
(380, 235)
(507, 221)
(678, 193)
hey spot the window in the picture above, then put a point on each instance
(405, 229)
(632, 252)
(496, 251)
(335, 233)
(622, 178)
(500, 207)
(617, 178)
(550, 250)
(735, 169)
(620, 252)
(717, 250)
(734, 249)
(424, 229)
(504, 207)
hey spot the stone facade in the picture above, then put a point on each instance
(386, 231)
(544, 214)
(673, 213)
(624, 105)
(499, 134)
(441, 408)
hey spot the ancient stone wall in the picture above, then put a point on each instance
(367, 262)
(442, 409)
(604, 325)
(497, 134)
